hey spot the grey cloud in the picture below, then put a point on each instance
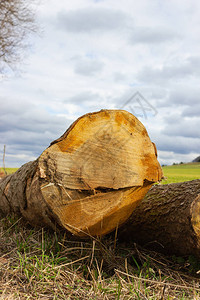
(10, 106)
(192, 111)
(185, 95)
(171, 72)
(34, 120)
(181, 127)
(27, 130)
(194, 61)
(119, 77)
(88, 67)
(178, 135)
(17, 161)
(87, 101)
(154, 35)
(84, 98)
(170, 157)
(176, 144)
(91, 19)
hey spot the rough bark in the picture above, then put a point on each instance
(167, 219)
(20, 194)
(90, 179)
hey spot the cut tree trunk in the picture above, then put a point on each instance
(89, 180)
(167, 219)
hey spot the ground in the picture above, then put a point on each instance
(36, 263)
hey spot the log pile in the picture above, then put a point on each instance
(89, 180)
(94, 178)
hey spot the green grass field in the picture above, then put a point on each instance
(181, 172)
(174, 173)
(11, 170)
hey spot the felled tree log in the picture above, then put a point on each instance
(167, 219)
(90, 179)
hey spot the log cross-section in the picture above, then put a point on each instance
(90, 179)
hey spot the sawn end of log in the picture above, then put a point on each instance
(89, 180)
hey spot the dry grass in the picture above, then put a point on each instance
(40, 264)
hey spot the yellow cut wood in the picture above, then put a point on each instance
(89, 180)
(93, 177)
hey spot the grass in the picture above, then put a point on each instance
(42, 264)
(11, 170)
(8, 170)
(174, 173)
(181, 172)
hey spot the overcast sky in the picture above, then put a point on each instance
(95, 54)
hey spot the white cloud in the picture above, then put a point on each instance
(152, 35)
(88, 66)
(97, 54)
(177, 70)
(87, 20)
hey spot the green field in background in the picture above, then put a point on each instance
(174, 173)
(11, 170)
(181, 172)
